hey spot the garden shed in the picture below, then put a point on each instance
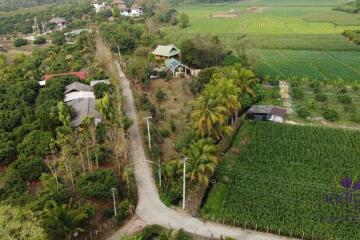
(266, 113)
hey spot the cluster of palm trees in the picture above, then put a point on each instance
(218, 106)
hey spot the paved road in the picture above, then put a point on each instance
(150, 209)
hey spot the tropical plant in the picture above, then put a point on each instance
(209, 117)
(105, 107)
(62, 221)
(20, 223)
(202, 160)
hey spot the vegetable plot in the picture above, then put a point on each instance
(276, 178)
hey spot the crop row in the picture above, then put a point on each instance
(278, 179)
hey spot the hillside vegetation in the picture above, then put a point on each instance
(7, 5)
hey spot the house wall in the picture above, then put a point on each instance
(274, 118)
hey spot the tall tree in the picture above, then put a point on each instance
(202, 160)
(209, 117)
(62, 221)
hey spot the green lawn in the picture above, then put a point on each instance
(292, 27)
(276, 177)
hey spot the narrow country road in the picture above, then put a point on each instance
(150, 209)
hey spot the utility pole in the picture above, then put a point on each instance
(184, 181)
(148, 129)
(113, 192)
(159, 172)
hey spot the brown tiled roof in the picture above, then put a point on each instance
(278, 111)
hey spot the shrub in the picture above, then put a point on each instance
(330, 115)
(314, 84)
(165, 132)
(58, 38)
(28, 169)
(36, 143)
(100, 153)
(7, 147)
(355, 117)
(160, 95)
(40, 40)
(101, 89)
(303, 112)
(298, 94)
(100, 133)
(344, 99)
(321, 97)
(18, 42)
(350, 108)
(172, 125)
(97, 184)
(123, 211)
(275, 94)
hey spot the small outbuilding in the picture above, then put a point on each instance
(177, 68)
(163, 52)
(60, 23)
(266, 113)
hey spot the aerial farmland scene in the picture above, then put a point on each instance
(179, 119)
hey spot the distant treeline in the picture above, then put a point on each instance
(178, 2)
(351, 7)
(8, 5)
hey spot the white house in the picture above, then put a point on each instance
(98, 7)
(134, 11)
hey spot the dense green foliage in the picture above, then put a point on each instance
(7, 5)
(97, 184)
(124, 35)
(352, 35)
(276, 177)
(202, 51)
(350, 7)
(20, 223)
(18, 42)
(23, 22)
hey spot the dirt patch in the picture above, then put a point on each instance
(285, 96)
(176, 106)
(233, 14)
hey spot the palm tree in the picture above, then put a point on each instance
(227, 93)
(202, 160)
(209, 116)
(62, 221)
(244, 78)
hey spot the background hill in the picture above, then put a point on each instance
(7, 5)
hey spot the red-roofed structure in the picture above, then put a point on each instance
(81, 75)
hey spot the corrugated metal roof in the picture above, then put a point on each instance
(166, 51)
(83, 108)
(94, 82)
(78, 87)
(78, 95)
(266, 109)
(57, 20)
